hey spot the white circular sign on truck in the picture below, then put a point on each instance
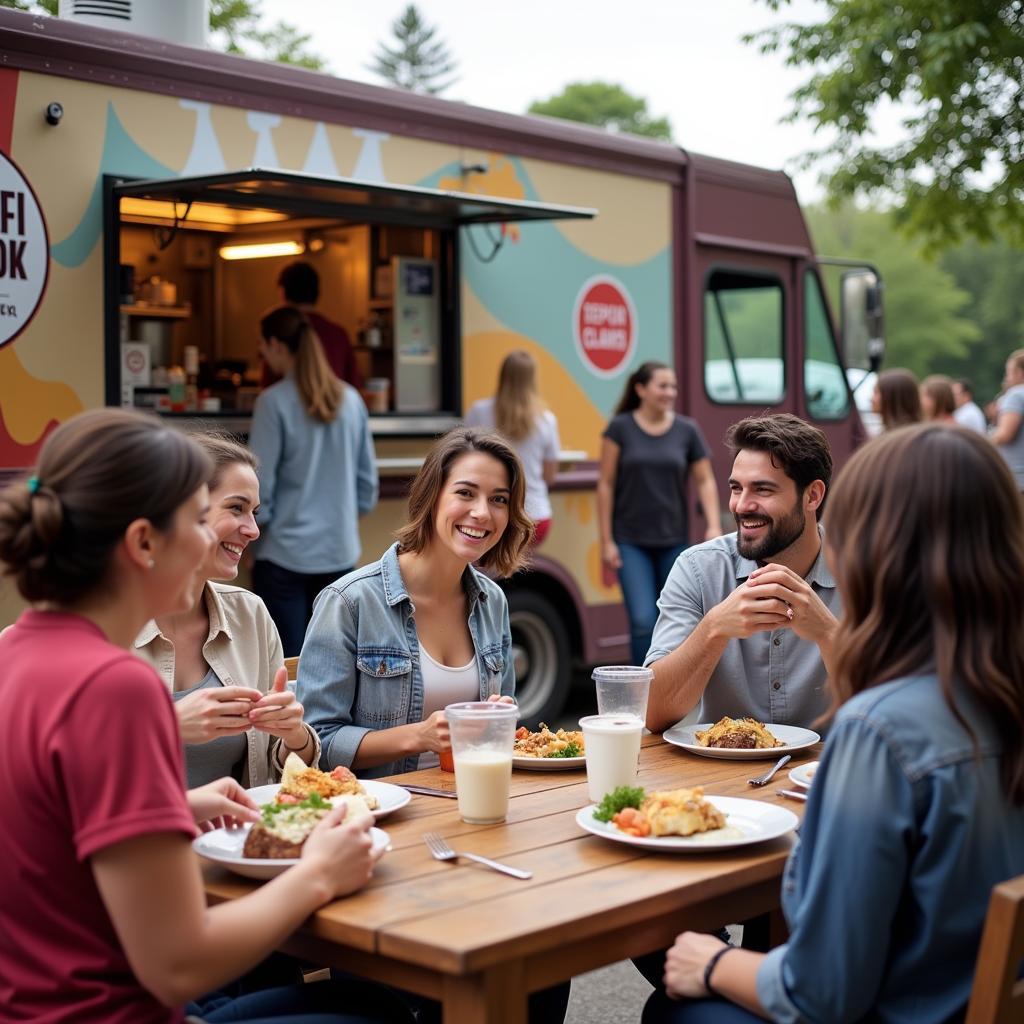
(604, 325)
(24, 251)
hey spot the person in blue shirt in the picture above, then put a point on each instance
(317, 474)
(917, 807)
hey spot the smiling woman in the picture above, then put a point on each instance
(222, 658)
(391, 644)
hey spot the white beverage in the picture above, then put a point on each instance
(613, 750)
(482, 781)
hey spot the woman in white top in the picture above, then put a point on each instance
(222, 658)
(392, 643)
(519, 415)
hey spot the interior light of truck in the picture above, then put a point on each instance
(260, 250)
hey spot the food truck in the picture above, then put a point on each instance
(151, 192)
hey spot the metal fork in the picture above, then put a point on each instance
(440, 850)
(762, 780)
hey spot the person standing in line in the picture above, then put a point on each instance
(897, 398)
(968, 413)
(648, 452)
(917, 807)
(937, 402)
(299, 286)
(519, 415)
(103, 919)
(317, 474)
(1008, 434)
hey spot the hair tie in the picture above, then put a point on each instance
(33, 484)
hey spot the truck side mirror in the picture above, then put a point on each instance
(863, 316)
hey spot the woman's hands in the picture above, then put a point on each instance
(610, 556)
(279, 713)
(214, 712)
(432, 734)
(221, 804)
(340, 852)
(685, 963)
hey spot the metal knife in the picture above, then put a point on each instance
(427, 791)
(793, 794)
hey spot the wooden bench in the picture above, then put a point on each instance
(997, 995)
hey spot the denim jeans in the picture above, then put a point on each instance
(662, 1010)
(325, 1002)
(641, 577)
(289, 598)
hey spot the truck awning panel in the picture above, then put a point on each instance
(294, 194)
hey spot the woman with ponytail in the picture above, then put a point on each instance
(317, 474)
(103, 919)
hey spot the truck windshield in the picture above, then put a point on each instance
(824, 382)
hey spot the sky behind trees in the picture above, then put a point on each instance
(685, 57)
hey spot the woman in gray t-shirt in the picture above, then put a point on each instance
(647, 454)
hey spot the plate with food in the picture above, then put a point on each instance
(547, 751)
(803, 774)
(299, 781)
(684, 820)
(274, 843)
(740, 739)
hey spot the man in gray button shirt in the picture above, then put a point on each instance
(747, 620)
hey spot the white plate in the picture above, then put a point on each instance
(389, 797)
(793, 739)
(548, 764)
(803, 774)
(746, 822)
(224, 846)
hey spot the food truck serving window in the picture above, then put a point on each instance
(192, 263)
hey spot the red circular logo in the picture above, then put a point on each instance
(605, 326)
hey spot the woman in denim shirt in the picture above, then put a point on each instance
(917, 807)
(390, 644)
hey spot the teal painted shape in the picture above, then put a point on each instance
(532, 284)
(121, 155)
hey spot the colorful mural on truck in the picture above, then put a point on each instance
(588, 299)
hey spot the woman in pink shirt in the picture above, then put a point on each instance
(102, 911)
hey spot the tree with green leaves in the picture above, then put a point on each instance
(236, 26)
(927, 324)
(606, 106)
(953, 70)
(419, 61)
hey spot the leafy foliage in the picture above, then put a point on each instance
(236, 26)
(991, 275)
(40, 7)
(953, 70)
(606, 106)
(420, 61)
(927, 325)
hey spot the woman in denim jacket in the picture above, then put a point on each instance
(391, 644)
(917, 807)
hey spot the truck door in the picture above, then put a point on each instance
(738, 346)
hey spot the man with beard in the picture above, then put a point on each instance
(746, 621)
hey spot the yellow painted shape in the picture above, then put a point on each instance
(634, 220)
(61, 162)
(30, 404)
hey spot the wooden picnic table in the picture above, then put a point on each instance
(479, 941)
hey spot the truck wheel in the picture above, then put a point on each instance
(540, 653)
